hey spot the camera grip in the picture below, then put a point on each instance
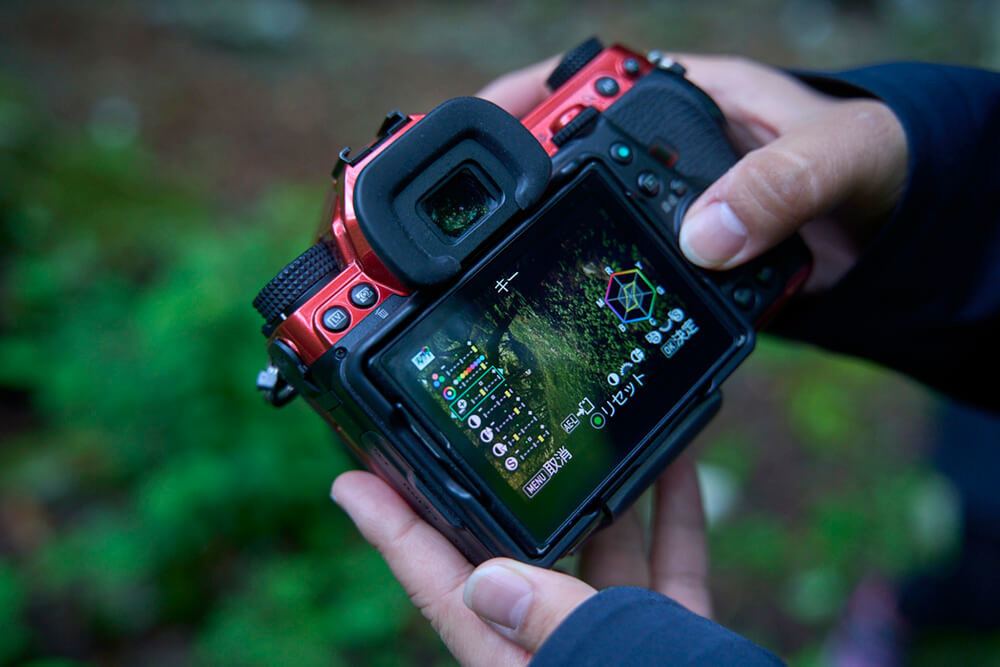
(685, 131)
(664, 110)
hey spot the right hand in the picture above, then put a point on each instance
(831, 168)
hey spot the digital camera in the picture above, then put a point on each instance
(497, 319)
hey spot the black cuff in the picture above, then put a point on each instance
(634, 626)
(925, 296)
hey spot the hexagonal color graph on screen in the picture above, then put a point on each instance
(630, 296)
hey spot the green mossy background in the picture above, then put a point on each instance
(159, 161)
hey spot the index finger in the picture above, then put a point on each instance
(678, 553)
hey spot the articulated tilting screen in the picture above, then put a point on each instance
(549, 367)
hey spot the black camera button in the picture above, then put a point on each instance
(363, 295)
(649, 184)
(566, 172)
(765, 275)
(290, 366)
(744, 296)
(678, 187)
(631, 67)
(606, 86)
(336, 319)
(620, 153)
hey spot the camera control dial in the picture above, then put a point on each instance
(573, 62)
(295, 280)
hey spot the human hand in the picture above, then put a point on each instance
(831, 168)
(502, 611)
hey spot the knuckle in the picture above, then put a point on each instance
(693, 580)
(543, 616)
(782, 184)
(744, 68)
(437, 607)
(396, 540)
(537, 624)
(732, 60)
(873, 160)
(883, 133)
(741, 62)
(867, 121)
(872, 115)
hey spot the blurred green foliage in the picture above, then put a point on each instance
(155, 489)
(154, 510)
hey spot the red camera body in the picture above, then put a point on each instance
(303, 330)
(409, 293)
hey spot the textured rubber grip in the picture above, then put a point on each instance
(664, 108)
(293, 281)
(573, 62)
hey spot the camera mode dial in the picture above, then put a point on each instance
(295, 280)
(573, 62)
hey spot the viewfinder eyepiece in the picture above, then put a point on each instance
(458, 203)
(433, 197)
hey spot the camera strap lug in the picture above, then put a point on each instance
(394, 120)
(274, 387)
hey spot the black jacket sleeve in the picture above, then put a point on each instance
(924, 299)
(633, 626)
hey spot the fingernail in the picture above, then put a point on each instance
(713, 236)
(499, 595)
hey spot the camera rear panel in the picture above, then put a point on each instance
(664, 162)
(553, 363)
(410, 380)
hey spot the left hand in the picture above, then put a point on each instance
(502, 611)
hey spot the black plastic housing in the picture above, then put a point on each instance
(662, 115)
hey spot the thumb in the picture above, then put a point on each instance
(853, 156)
(524, 603)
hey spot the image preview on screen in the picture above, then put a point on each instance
(548, 368)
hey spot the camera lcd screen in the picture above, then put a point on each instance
(548, 369)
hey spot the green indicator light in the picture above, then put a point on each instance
(620, 152)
